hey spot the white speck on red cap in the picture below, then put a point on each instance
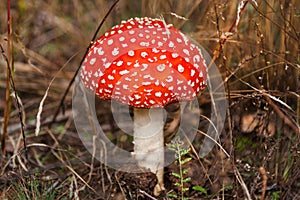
(145, 63)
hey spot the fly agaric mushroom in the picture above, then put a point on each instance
(147, 64)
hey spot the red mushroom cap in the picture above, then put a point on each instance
(144, 63)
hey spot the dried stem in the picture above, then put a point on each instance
(10, 85)
(264, 182)
(7, 91)
(223, 41)
(18, 103)
(216, 54)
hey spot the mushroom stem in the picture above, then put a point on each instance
(149, 142)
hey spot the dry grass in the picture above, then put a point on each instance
(260, 65)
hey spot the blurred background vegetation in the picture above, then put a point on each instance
(261, 56)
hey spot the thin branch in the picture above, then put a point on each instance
(78, 69)
(277, 24)
(40, 110)
(234, 24)
(242, 183)
(270, 100)
(18, 103)
(263, 173)
(7, 95)
(146, 194)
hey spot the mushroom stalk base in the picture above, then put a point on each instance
(149, 142)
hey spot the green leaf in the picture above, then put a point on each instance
(185, 151)
(276, 195)
(188, 179)
(178, 184)
(185, 189)
(186, 160)
(185, 171)
(173, 195)
(176, 175)
(171, 147)
(200, 189)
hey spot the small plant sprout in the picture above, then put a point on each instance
(180, 153)
(182, 158)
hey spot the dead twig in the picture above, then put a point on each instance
(78, 69)
(189, 13)
(285, 119)
(242, 183)
(120, 186)
(40, 110)
(71, 169)
(223, 40)
(8, 72)
(11, 84)
(146, 194)
(270, 99)
(216, 54)
(286, 31)
(262, 171)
